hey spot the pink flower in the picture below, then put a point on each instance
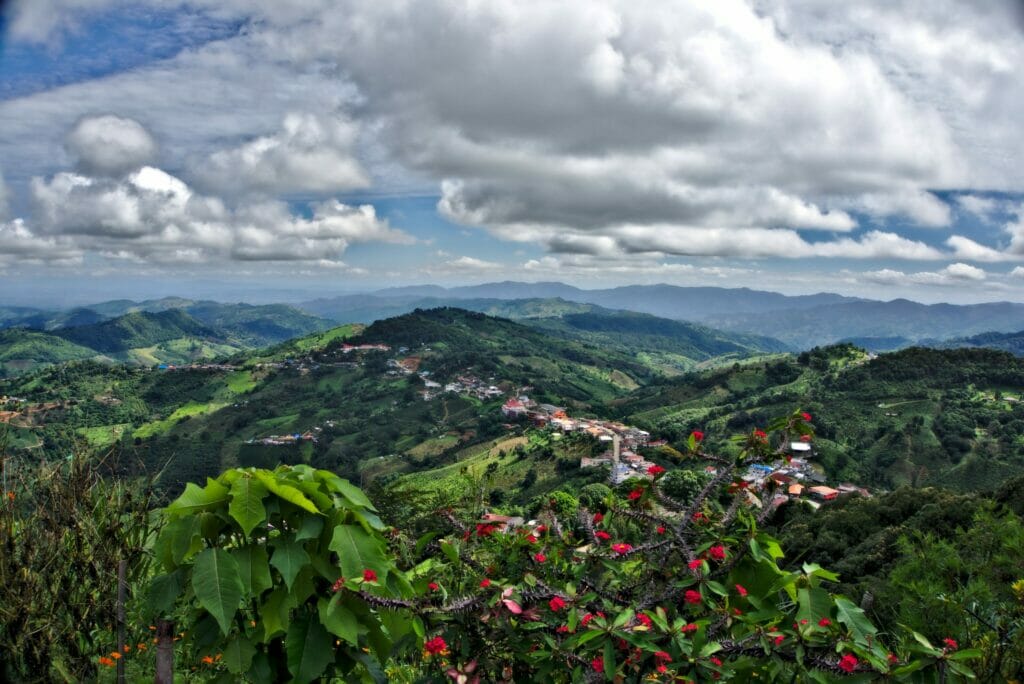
(338, 585)
(484, 583)
(661, 529)
(598, 517)
(848, 663)
(692, 596)
(539, 557)
(556, 604)
(622, 548)
(824, 622)
(655, 470)
(741, 590)
(689, 627)
(697, 435)
(695, 564)
(806, 416)
(779, 639)
(597, 664)
(369, 576)
(717, 552)
(532, 539)
(433, 586)
(601, 534)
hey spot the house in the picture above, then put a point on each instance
(587, 462)
(513, 408)
(823, 493)
(801, 448)
(502, 522)
(796, 489)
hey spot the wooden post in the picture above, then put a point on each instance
(164, 652)
(122, 597)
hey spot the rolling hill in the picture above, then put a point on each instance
(22, 351)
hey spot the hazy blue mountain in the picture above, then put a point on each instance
(916, 322)
(1012, 342)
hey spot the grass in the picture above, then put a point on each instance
(103, 435)
(305, 344)
(192, 408)
(240, 382)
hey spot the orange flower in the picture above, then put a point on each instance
(141, 647)
(106, 661)
(208, 660)
(115, 655)
(127, 648)
(10, 495)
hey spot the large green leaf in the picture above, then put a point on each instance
(217, 585)
(814, 603)
(351, 492)
(196, 498)
(238, 654)
(286, 492)
(358, 551)
(853, 618)
(179, 540)
(289, 558)
(338, 619)
(274, 613)
(246, 505)
(253, 569)
(164, 591)
(309, 648)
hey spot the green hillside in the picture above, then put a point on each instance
(137, 330)
(23, 350)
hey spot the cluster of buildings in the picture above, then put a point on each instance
(286, 440)
(794, 479)
(197, 367)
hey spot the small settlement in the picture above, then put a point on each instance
(791, 478)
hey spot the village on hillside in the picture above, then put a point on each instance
(792, 477)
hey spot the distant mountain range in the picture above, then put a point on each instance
(170, 330)
(800, 321)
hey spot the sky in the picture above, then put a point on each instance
(260, 150)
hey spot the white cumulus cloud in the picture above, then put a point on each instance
(110, 145)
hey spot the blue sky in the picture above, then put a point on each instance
(260, 150)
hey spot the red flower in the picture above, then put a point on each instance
(848, 663)
(741, 590)
(541, 529)
(655, 470)
(805, 438)
(585, 620)
(433, 586)
(601, 534)
(369, 576)
(485, 530)
(715, 661)
(692, 596)
(824, 622)
(697, 435)
(556, 604)
(539, 557)
(779, 639)
(661, 529)
(689, 627)
(737, 611)
(597, 664)
(485, 583)
(662, 655)
(435, 646)
(950, 644)
(717, 552)
(598, 517)
(699, 517)
(564, 629)
(532, 539)
(338, 585)
(622, 548)
(892, 659)
(635, 494)
(695, 564)
(643, 620)
(760, 434)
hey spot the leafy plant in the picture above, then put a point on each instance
(256, 561)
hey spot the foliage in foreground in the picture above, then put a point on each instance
(285, 573)
(63, 531)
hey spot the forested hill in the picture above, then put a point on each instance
(917, 416)
(134, 330)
